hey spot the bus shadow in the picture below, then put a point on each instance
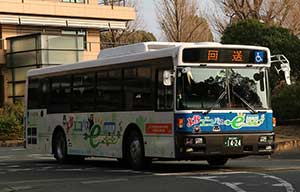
(159, 167)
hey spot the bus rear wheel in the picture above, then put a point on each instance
(217, 161)
(60, 147)
(135, 155)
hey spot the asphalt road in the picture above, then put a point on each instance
(20, 171)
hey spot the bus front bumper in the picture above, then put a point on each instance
(202, 146)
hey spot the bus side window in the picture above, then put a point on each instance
(165, 95)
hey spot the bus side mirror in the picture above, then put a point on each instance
(167, 78)
(284, 66)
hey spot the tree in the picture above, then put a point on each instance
(283, 13)
(132, 33)
(126, 37)
(285, 100)
(279, 40)
(179, 20)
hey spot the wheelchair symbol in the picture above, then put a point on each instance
(259, 57)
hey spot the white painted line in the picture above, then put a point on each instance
(18, 149)
(289, 187)
(17, 170)
(234, 186)
(49, 180)
(14, 189)
(66, 170)
(103, 181)
(6, 157)
(126, 171)
(14, 166)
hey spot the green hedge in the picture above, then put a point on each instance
(286, 101)
(11, 121)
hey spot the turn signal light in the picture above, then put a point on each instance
(180, 122)
(274, 122)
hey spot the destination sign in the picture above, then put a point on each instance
(212, 55)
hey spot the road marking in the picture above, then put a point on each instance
(14, 189)
(17, 170)
(17, 149)
(6, 157)
(127, 171)
(289, 187)
(66, 170)
(13, 166)
(49, 180)
(233, 186)
(213, 177)
(103, 181)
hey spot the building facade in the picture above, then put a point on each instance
(40, 33)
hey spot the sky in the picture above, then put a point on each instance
(149, 15)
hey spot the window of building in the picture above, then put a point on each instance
(73, 1)
(39, 50)
(80, 32)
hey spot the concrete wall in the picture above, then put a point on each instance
(58, 8)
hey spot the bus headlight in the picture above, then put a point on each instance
(263, 139)
(266, 139)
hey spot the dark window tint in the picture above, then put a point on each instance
(109, 91)
(60, 94)
(83, 92)
(138, 90)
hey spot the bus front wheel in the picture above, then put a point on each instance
(135, 155)
(60, 147)
(217, 161)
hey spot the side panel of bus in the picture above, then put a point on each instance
(101, 134)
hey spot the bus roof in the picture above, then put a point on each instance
(131, 53)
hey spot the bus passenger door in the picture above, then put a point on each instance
(160, 133)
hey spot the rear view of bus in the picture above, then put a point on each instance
(223, 103)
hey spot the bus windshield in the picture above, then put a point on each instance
(221, 88)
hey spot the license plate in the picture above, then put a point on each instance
(233, 142)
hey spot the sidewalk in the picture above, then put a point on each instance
(287, 138)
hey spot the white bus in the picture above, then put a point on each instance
(197, 101)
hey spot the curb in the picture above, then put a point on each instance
(289, 145)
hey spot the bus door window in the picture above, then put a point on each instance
(164, 100)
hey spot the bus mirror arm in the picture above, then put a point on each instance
(284, 66)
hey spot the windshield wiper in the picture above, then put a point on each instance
(218, 100)
(252, 110)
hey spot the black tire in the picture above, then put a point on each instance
(60, 147)
(217, 161)
(135, 154)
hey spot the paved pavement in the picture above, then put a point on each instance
(23, 171)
